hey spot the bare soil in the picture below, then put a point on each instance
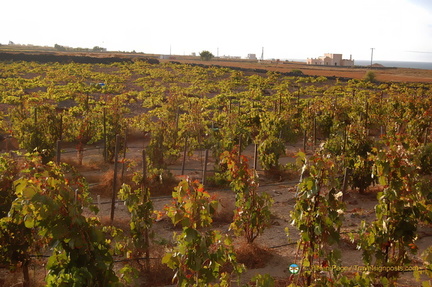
(383, 74)
(272, 253)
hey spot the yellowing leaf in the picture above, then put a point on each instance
(29, 222)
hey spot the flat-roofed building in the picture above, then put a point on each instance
(331, 60)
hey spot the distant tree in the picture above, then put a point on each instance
(59, 47)
(206, 55)
(98, 49)
(11, 43)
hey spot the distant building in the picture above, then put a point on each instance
(230, 57)
(167, 57)
(331, 60)
(251, 57)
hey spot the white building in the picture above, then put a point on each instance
(331, 60)
(230, 57)
(251, 57)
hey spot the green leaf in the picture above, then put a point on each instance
(309, 183)
(385, 281)
(51, 261)
(29, 192)
(371, 239)
(191, 234)
(167, 259)
(317, 230)
(71, 243)
(185, 221)
(20, 186)
(59, 231)
(29, 222)
(337, 254)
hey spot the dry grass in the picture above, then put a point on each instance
(162, 185)
(120, 222)
(225, 212)
(157, 274)
(160, 274)
(252, 255)
(37, 273)
(105, 183)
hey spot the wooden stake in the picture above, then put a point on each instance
(146, 215)
(345, 137)
(124, 156)
(105, 152)
(345, 183)
(61, 126)
(366, 118)
(314, 132)
(58, 152)
(304, 140)
(114, 190)
(255, 162)
(280, 104)
(239, 150)
(184, 156)
(205, 167)
(144, 168)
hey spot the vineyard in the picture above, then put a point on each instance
(138, 173)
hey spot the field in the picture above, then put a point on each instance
(386, 74)
(322, 169)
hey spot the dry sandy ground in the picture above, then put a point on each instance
(275, 241)
(385, 75)
(278, 248)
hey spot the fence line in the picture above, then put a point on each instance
(202, 153)
(115, 202)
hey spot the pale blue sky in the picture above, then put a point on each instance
(399, 30)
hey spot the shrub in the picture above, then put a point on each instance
(297, 72)
(370, 77)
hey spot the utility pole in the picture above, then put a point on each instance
(262, 54)
(372, 55)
